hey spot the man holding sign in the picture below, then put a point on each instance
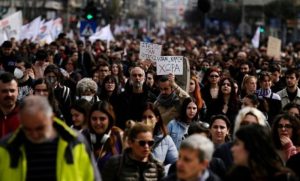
(170, 98)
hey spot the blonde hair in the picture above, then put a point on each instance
(246, 79)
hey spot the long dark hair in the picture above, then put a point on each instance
(104, 94)
(233, 99)
(159, 126)
(295, 126)
(263, 161)
(106, 108)
(185, 103)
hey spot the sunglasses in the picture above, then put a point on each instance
(144, 142)
(214, 76)
(286, 126)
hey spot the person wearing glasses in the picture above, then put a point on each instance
(246, 116)
(136, 162)
(285, 136)
(104, 138)
(255, 157)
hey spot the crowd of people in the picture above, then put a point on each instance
(81, 110)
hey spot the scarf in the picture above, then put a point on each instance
(168, 101)
(263, 92)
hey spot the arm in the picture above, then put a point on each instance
(172, 153)
(178, 90)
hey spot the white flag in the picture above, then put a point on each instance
(57, 28)
(255, 39)
(104, 34)
(44, 35)
(10, 27)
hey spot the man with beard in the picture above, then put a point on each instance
(170, 98)
(134, 97)
(291, 93)
(9, 120)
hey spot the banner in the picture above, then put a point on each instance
(57, 28)
(44, 35)
(149, 51)
(10, 27)
(169, 64)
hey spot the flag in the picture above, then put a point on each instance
(44, 35)
(255, 39)
(57, 28)
(10, 27)
(104, 34)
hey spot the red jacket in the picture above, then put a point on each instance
(10, 122)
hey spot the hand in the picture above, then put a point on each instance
(171, 78)
(285, 140)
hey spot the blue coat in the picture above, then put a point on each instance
(177, 131)
(166, 151)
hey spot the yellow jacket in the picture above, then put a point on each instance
(74, 162)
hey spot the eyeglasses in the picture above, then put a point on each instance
(286, 126)
(137, 75)
(214, 76)
(144, 142)
(227, 84)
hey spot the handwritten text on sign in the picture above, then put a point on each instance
(149, 51)
(169, 64)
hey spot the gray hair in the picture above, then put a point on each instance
(34, 103)
(86, 84)
(261, 118)
(202, 144)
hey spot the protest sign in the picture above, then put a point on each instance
(169, 64)
(274, 47)
(149, 51)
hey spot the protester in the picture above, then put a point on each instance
(87, 89)
(285, 135)
(178, 127)
(219, 130)
(170, 99)
(104, 138)
(43, 88)
(291, 93)
(9, 120)
(163, 148)
(48, 140)
(195, 154)
(136, 162)
(252, 166)
(80, 110)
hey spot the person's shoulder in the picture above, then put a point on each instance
(171, 177)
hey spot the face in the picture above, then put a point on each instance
(115, 69)
(165, 88)
(110, 86)
(226, 87)
(251, 85)
(149, 118)
(51, 77)
(41, 89)
(244, 69)
(249, 119)
(141, 151)
(266, 82)
(99, 122)
(294, 111)
(214, 77)
(69, 66)
(150, 80)
(191, 110)
(247, 102)
(275, 76)
(7, 51)
(239, 153)
(96, 77)
(37, 128)
(8, 94)
(188, 164)
(103, 72)
(137, 77)
(192, 86)
(219, 131)
(284, 128)
(291, 80)
(77, 117)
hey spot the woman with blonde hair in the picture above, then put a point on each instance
(249, 85)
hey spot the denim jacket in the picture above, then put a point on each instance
(177, 131)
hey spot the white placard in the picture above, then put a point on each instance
(149, 51)
(169, 64)
(11, 27)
